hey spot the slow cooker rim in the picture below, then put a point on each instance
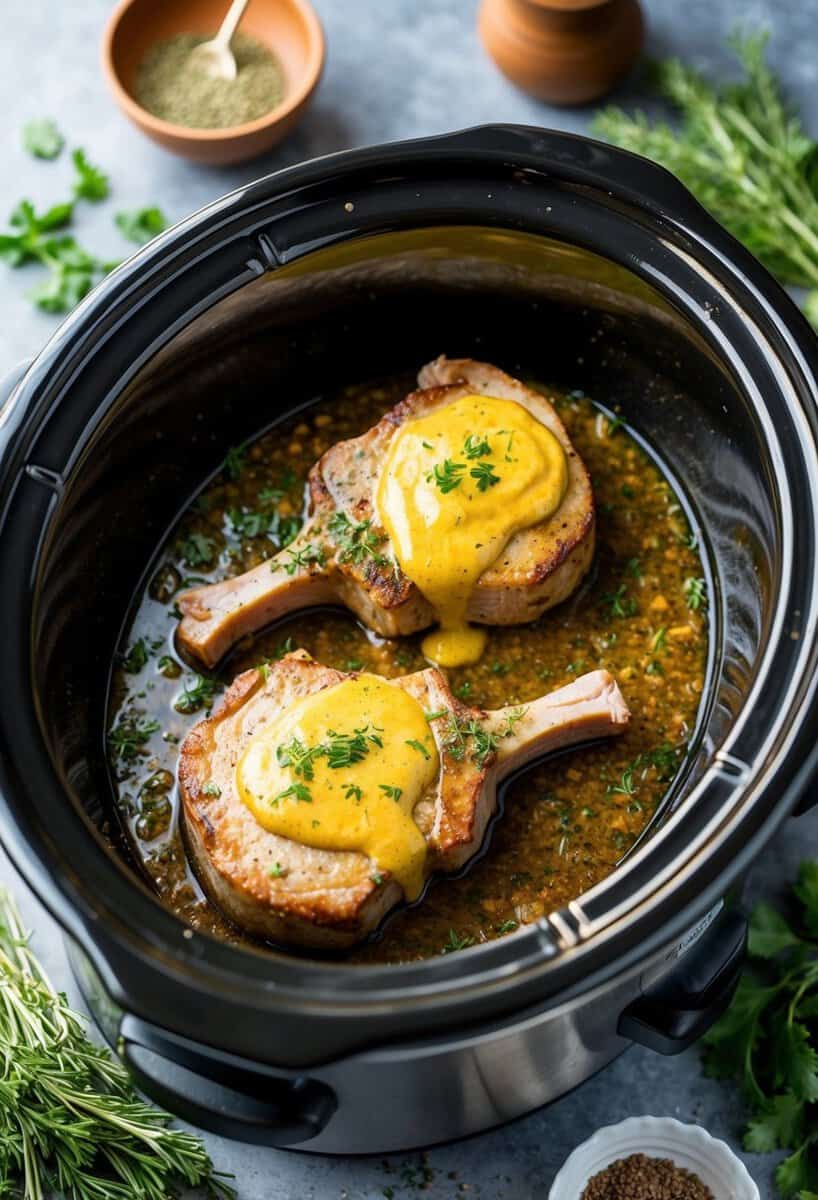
(140, 262)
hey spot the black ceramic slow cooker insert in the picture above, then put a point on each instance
(555, 257)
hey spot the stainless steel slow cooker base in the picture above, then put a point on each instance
(420, 1092)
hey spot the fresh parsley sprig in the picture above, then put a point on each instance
(140, 225)
(90, 183)
(72, 270)
(34, 237)
(743, 152)
(70, 1120)
(767, 1038)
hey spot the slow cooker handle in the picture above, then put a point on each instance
(223, 1095)
(679, 1008)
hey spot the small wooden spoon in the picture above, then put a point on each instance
(215, 57)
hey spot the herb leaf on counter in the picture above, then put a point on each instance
(140, 225)
(766, 1039)
(42, 138)
(90, 183)
(72, 1122)
(744, 154)
(72, 270)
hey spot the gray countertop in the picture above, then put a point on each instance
(396, 68)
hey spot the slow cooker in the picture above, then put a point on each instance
(555, 257)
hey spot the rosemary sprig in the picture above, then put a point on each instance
(70, 1120)
(744, 153)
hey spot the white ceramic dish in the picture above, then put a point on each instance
(689, 1146)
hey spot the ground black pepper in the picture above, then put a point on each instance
(640, 1177)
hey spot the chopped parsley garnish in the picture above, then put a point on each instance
(270, 496)
(340, 750)
(298, 756)
(276, 871)
(695, 591)
(356, 540)
(471, 736)
(620, 603)
(249, 522)
(394, 793)
(345, 749)
(483, 472)
(130, 735)
(448, 475)
(454, 943)
(308, 556)
(212, 789)
(299, 791)
(625, 787)
(198, 550)
(476, 447)
(136, 657)
(436, 713)
(665, 761)
(234, 461)
(506, 926)
(419, 746)
(196, 695)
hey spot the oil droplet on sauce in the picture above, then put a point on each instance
(343, 769)
(455, 487)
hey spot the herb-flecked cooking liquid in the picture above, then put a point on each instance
(641, 613)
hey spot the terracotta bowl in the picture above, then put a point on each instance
(289, 27)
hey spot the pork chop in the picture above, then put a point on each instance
(287, 892)
(341, 556)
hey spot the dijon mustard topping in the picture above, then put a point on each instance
(455, 487)
(343, 769)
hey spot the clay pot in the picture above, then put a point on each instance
(290, 28)
(563, 51)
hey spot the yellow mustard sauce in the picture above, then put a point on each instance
(342, 769)
(455, 487)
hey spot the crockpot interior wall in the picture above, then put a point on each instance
(375, 307)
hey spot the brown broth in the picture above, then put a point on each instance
(641, 612)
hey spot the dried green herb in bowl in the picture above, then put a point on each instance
(171, 85)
